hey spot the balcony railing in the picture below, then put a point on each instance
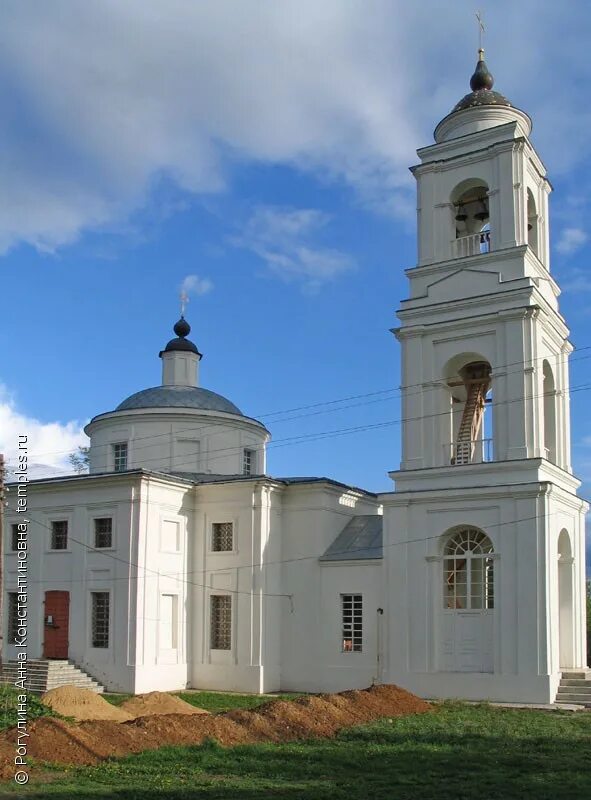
(472, 245)
(476, 452)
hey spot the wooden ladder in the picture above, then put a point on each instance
(476, 388)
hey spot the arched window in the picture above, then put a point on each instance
(468, 571)
(471, 218)
(532, 222)
(549, 392)
(468, 435)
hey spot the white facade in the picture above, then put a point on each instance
(178, 562)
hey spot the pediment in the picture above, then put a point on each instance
(463, 283)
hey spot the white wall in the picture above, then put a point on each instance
(177, 439)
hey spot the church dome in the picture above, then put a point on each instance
(480, 109)
(181, 343)
(482, 93)
(193, 397)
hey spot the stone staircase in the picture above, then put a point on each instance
(46, 674)
(575, 688)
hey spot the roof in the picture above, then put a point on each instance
(360, 540)
(179, 397)
(482, 93)
(196, 478)
(181, 343)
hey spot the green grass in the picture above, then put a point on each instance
(8, 707)
(459, 752)
(213, 701)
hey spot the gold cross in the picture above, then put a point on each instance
(184, 301)
(481, 28)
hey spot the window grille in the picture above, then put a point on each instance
(468, 571)
(100, 619)
(222, 537)
(120, 456)
(248, 462)
(103, 532)
(12, 617)
(352, 615)
(59, 535)
(221, 622)
(14, 537)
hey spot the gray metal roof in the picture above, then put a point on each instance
(360, 540)
(179, 397)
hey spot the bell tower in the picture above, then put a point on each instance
(485, 488)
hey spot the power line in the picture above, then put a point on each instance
(196, 429)
(176, 576)
(224, 452)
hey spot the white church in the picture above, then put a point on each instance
(178, 561)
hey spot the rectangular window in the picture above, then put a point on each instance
(12, 616)
(352, 615)
(248, 462)
(100, 619)
(103, 532)
(222, 537)
(221, 622)
(59, 535)
(120, 456)
(168, 621)
(14, 536)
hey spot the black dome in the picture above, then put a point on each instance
(482, 93)
(181, 343)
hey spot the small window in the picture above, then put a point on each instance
(222, 537)
(103, 532)
(221, 622)
(120, 456)
(352, 615)
(100, 619)
(248, 462)
(12, 617)
(59, 535)
(14, 536)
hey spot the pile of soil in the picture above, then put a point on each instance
(143, 705)
(277, 721)
(82, 704)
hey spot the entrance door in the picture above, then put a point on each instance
(467, 617)
(56, 623)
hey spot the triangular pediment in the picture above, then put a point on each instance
(463, 283)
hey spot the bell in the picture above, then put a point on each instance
(461, 216)
(483, 213)
(529, 226)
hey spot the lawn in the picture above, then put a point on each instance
(459, 752)
(213, 701)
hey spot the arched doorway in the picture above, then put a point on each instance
(468, 601)
(565, 602)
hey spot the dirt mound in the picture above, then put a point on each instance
(143, 705)
(277, 721)
(82, 704)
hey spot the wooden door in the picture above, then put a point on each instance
(56, 624)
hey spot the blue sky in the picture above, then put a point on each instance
(264, 148)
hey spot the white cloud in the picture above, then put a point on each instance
(48, 443)
(571, 240)
(285, 239)
(101, 100)
(193, 284)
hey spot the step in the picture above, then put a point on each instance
(580, 674)
(575, 682)
(44, 674)
(574, 699)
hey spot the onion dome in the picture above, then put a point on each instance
(482, 93)
(181, 343)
